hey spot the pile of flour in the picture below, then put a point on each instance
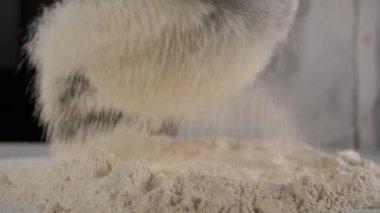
(172, 175)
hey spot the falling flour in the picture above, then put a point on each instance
(173, 175)
(100, 61)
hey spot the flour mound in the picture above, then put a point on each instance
(195, 176)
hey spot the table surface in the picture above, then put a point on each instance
(17, 151)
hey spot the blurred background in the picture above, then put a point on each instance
(327, 77)
(323, 85)
(330, 72)
(16, 106)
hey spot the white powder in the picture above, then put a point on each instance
(167, 175)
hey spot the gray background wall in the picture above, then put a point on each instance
(326, 79)
(329, 71)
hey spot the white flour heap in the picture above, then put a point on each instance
(167, 175)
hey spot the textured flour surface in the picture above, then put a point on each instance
(194, 176)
